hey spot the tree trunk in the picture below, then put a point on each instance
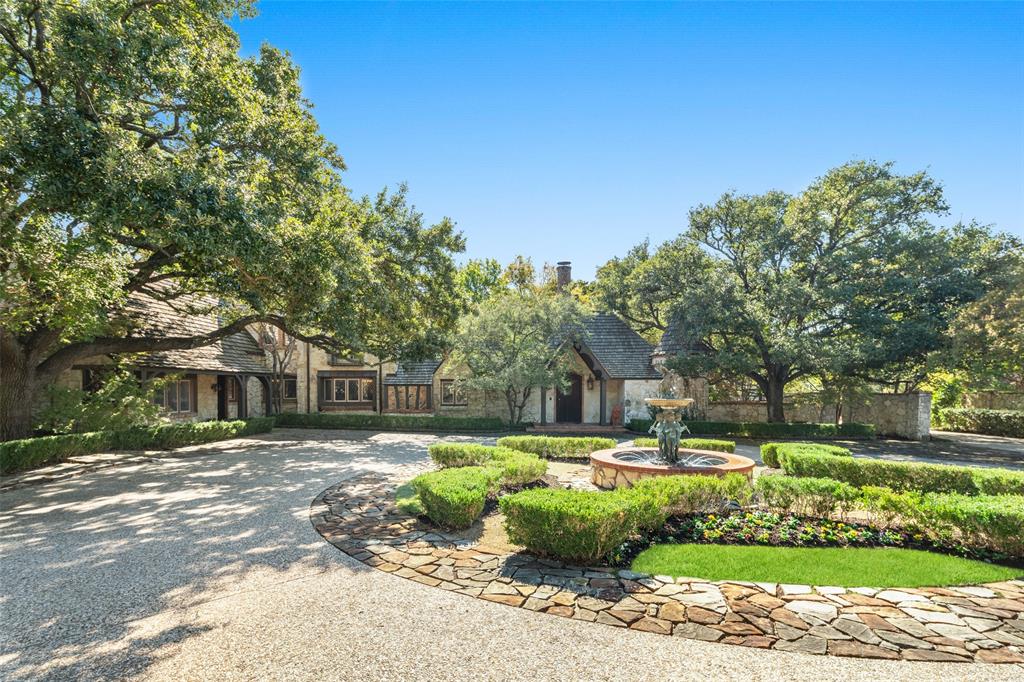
(19, 390)
(774, 395)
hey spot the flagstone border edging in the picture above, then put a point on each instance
(983, 623)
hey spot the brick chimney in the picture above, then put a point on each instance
(563, 275)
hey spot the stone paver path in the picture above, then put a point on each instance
(960, 624)
(206, 567)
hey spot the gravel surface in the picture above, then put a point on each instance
(207, 567)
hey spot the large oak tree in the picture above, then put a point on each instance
(848, 278)
(140, 155)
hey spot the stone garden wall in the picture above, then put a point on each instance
(902, 415)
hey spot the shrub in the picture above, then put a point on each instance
(408, 500)
(770, 451)
(691, 443)
(990, 422)
(816, 497)
(518, 468)
(394, 422)
(557, 446)
(768, 429)
(454, 498)
(460, 454)
(659, 497)
(574, 525)
(17, 455)
(903, 476)
(993, 521)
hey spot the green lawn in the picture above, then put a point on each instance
(407, 500)
(846, 567)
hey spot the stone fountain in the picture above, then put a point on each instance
(623, 466)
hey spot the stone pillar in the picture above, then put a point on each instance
(604, 400)
(543, 405)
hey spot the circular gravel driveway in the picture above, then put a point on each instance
(207, 567)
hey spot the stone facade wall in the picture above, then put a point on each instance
(695, 388)
(995, 400)
(305, 368)
(903, 415)
(636, 390)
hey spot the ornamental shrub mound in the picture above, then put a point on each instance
(991, 422)
(454, 498)
(903, 476)
(691, 444)
(816, 497)
(557, 446)
(517, 468)
(574, 525)
(659, 497)
(770, 452)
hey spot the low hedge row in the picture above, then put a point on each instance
(770, 451)
(989, 422)
(691, 443)
(664, 496)
(18, 455)
(517, 468)
(557, 446)
(903, 476)
(767, 429)
(394, 422)
(814, 497)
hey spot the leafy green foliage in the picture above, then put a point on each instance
(517, 468)
(815, 497)
(768, 429)
(574, 525)
(514, 342)
(770, 452)
(691, 443)
(845, 566)
(120, 402)
(16, 455)
(903, 476)
(454, 498)
(659, 497)
(990, 422)
(557, 446)
(391, 422)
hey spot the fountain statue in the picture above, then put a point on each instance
(668, 425)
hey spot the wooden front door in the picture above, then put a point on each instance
(569, 405)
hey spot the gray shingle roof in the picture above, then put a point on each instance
(620, 350)
(187, 317)
(671, 342)
(421, 372)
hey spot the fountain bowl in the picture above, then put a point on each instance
(623, 466)
(669, 403)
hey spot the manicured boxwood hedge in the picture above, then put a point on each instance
(691, 443)
(454, 498)
(767, 430)
(814, 497)
(18, 455)
(557, 446)
(904, 476)
(989, 422)
(517, 468)
(394, 422)
(662, 496)
(575, 525)
(770, 451)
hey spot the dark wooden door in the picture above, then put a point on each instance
(569, 405)
(222, 396)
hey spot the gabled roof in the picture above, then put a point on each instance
(421, 372)
(238, 353)
(622, 352)
(671, 342)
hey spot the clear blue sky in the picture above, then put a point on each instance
(573, 131)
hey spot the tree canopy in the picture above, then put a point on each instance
(140, 155)
(848, 278)
(517, 341)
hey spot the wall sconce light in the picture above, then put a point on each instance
(590, 383)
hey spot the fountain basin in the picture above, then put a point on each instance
(623, 466)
